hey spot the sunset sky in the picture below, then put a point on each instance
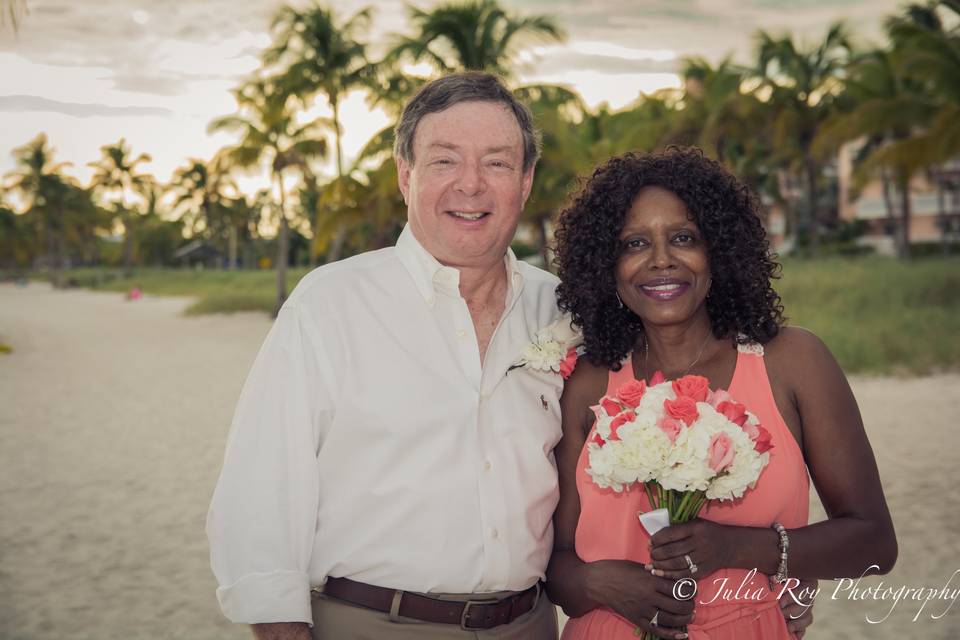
(88, 72)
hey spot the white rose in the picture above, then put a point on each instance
(563, 332)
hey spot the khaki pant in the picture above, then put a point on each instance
(337, 620)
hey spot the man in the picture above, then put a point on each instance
(379, 446)
(385, 477)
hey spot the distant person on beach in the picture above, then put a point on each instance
(385, 476)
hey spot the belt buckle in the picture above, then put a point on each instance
(464, 613)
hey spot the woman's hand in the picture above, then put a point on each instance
(704, 545)
(797, 607)
(634, 593)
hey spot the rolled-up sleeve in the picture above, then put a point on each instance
(263, 515)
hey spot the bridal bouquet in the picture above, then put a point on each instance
(683, 443)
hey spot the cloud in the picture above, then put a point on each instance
(76, 109)
(573, 61)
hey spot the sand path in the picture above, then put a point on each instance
(113, 417)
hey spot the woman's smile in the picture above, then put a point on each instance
(665, 288)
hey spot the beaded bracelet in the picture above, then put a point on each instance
(783, 545)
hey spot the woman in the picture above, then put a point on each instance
(664, 265)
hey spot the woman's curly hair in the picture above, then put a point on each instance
(741, 300)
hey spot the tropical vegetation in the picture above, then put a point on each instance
(780, 122)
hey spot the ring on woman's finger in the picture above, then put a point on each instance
(656, 616)
(690, 564)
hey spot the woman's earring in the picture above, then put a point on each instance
(619, 301)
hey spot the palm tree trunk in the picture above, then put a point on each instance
(942, 214)
(58, 250)
(340, 233)
(813, 214)
(542, 233)
(283, 242)
(128, 245)
(904, 180)
(887, 198)
(232, 248)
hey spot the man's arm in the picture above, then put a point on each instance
(262, 519)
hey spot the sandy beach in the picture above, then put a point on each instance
(113, 418)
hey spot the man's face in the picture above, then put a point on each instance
(466, 187)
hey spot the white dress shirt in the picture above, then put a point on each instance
(369, 443)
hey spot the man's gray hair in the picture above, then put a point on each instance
(468, 86)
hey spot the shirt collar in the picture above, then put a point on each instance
(430, 276)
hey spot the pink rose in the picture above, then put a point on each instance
(764, 441)
(752, 430)
(618, 422)
(683, 408)
(670, 427)
(733, 411)
(720, 452)
(611, 406)
(630, 393)
(568, 363)
(657, 378)
(695, 387)
(718, 396)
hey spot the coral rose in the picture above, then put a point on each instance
(618, 422)
(611, 406)
(764, 441)
(568, 363)
(683, 408)
(630, 393)
(733, 411)
(695, 387)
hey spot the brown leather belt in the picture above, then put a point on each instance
(473, 614)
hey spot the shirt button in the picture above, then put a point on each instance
(487, 465)
(461, 334)
(494, 534)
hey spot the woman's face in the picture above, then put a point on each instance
(663, 273)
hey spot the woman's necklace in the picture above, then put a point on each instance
(646, 353)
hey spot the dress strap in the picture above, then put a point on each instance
(749, 347)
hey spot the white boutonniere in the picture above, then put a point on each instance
(554, 349)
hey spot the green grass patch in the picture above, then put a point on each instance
(215, 291)
(877, 315)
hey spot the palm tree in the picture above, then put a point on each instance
(372, 212)
(905, 104)
(713, 112)
(929, 52)
(802, 86)
(559, 113)
(44, 189)
(202, 198)
(476, 34)
(18, 243)
(116, 179)
(885, 106)
(319, 55)
(270, 135)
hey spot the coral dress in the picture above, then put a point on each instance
(731, 604)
